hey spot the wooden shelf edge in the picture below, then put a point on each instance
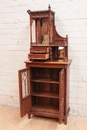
(45, 94)
(45, 80)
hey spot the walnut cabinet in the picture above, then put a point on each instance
(43, 83)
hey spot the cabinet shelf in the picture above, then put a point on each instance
(45, 80)
(45, 108)
(45, 94)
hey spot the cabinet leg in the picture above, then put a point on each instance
(60, 121)
(66, 117)
(65, 121)
(29, 115)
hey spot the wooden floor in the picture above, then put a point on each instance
(10, 120)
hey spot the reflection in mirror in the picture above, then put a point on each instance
(61, 52)
(33, 32)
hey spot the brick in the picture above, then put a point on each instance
(84, 78)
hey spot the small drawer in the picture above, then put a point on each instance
(38, 56)
(39, 49)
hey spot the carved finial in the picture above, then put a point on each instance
(49, 7)
(28, 11)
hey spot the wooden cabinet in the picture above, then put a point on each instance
(43, 89)
(43, 84)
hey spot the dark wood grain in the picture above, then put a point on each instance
(43, 84)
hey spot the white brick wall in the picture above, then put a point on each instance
(71, 20)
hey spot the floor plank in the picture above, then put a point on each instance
(10, 120)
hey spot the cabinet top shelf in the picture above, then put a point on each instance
(56, 62)
(40, 12)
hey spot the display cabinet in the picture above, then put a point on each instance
(43, 83)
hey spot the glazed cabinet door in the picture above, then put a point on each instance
(24, 91)
(61, 95)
